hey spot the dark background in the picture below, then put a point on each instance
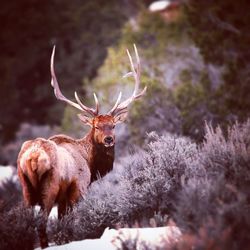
(83, 31)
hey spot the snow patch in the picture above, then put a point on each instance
(53, 212)
(7, 173)
(112, 239)
(159, 5)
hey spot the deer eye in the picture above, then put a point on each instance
(113, 126)
(96, 128)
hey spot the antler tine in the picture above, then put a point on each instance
(85, 108)
(135, 70)
(55, 84)
(96, 104)
(61, 97)
(116, 103)
(136, 73)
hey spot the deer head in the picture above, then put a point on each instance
(103, 125)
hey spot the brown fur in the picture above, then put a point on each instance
(44, 177)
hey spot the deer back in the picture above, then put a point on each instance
(72, 161)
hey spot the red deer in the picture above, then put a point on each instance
(58, 170)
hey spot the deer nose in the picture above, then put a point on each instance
(108, 139)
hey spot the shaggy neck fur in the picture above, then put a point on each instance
(100, 158)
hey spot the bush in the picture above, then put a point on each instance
(152, 177)
(229, 155)
(143, 187)
(64, 230)
(215, 198)
(17, 229)
(204, 189)
(10, 195)
(99, 209)
(154, 112)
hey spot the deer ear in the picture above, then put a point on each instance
(85, 119)
(121, 117)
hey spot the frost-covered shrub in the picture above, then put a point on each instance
(204, 199)
(64, 230)
(10, 195)
(93, 214)
(229, 155)
(152, 177)
(98, 209)
(17, 229)
(204, 190)
(217, 191)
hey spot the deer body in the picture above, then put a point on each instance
(59, 170)
(62, 165)
(53, 173)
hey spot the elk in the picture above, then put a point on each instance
(59, 169)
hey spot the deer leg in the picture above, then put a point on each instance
(46, 207)
(48, 194)
(73, 194)
(29, 193)
(62, 200)
(43, 218)
(62, 208)
(69, 195)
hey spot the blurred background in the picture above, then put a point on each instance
(195, 61)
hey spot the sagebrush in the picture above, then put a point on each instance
(203, 188)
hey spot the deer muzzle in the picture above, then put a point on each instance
(109, 141)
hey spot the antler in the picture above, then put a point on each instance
(79, 105)
(120, 108)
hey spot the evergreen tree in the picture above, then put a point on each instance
(221, 30)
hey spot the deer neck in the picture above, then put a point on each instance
(100, 158)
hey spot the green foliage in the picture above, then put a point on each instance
(153, 34)
(219, 29)
(71, 125)
(156, 110)
(193, 101)
(109, 79)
